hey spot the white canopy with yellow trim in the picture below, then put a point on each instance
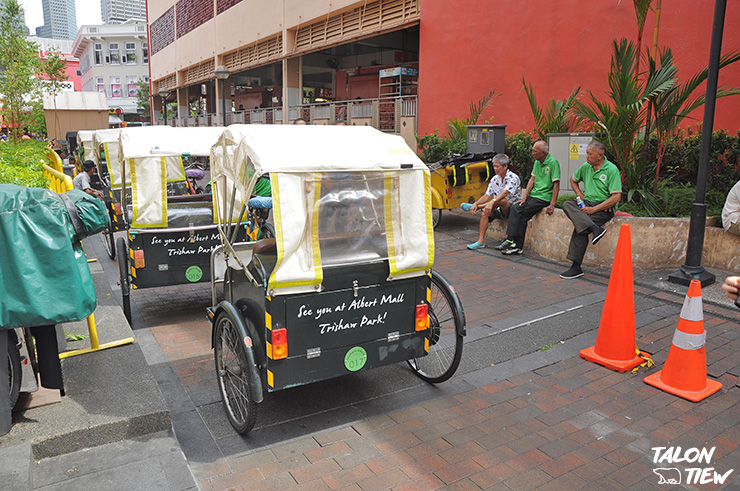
(151, 157)
(341, 195)
(85, 140)
(101, 141)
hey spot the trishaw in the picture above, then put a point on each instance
(459, 179)
(95, 145)
(346, 284)
(169, 237)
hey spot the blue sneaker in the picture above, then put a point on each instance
(476, 245)
(466, 207)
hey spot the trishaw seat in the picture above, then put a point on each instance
(265, 246)
(265, 253)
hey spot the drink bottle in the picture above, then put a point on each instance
(580, 202)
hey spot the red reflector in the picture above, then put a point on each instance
(139, 259)
(279, 336)
(279, 344)
(422, 317)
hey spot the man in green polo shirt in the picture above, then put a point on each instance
(602, 190)
(541, 192)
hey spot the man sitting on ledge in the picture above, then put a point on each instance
(602, 190)
(503, 189)
(541, 192)
(731, 211)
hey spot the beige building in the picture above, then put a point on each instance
(112, 59)
(325, 61)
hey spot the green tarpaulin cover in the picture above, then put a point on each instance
(44, 277)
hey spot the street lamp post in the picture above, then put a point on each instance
(222, 73)
(163, 94)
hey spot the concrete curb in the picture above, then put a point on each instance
(111, 395)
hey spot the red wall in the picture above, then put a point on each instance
(479, 45)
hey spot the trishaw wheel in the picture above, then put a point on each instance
(14, 370)
(233, 375)
(436, 217)
(123, 272)
(447, 323)
(267, 231)
(109, 241)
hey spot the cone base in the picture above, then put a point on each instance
(690, 395)
(589, 354)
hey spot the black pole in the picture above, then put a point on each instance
(223, 102)
(692, 268)
(164, 109)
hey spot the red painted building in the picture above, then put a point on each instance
(469, 47)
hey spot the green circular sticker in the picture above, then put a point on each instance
(355, 359)
(193, 274)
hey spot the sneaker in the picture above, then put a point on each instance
(466, 207)
(512, 250)
(598, 235)
(506, 244)
(575, 271)
(476, 245)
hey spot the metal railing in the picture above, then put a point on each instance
(381, 113)
(59, 182)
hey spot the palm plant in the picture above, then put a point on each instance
(620, 117)
(556, 116)
(458, 129)
(671, 107)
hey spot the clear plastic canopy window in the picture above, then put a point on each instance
(349, 217)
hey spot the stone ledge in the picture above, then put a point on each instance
(657, 243)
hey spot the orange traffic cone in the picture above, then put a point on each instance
(685, 371)
(616, 347)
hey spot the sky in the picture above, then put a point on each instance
(88, 12)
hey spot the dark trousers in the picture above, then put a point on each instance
(583, 223)
(519, 215)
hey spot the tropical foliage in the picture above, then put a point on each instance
(20, 163)
(556, 116)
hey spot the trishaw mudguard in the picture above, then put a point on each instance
(236, 318)
(437, 200)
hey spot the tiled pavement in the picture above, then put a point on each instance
(567, 424)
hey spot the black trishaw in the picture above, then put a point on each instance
(169, 237)
(346, 284)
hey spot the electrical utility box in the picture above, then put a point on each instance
(484, 138)
(570, 151)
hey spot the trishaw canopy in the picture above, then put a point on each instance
(151, 157)
(85, 140)
(341, 195)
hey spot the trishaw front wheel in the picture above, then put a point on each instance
(122, 250)
(233, 375)
(436, 217)
(447, 325)
(109, 241)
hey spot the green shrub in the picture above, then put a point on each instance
(563, 198)
(519, 147)
(21, 164)
(434, 148)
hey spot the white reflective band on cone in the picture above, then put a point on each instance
(691, 310)
(689, 341)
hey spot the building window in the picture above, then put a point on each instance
(132, 87)
(98, 53)
(114, 57)
(144, 53)
(115, 86)
(99, 84)
(130, 53)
